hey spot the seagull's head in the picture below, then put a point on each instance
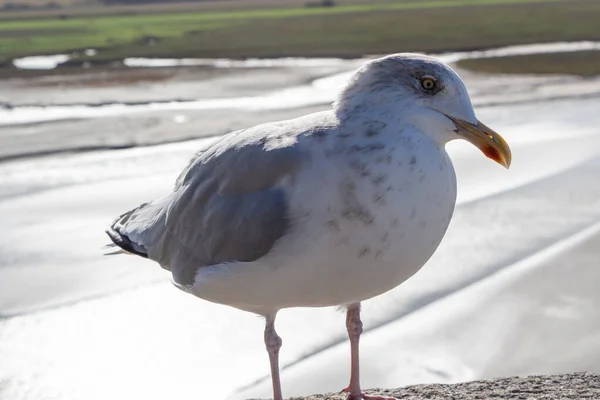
(424, 92)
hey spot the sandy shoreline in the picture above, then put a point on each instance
(144, 128)
(143, 106)
(129, 85)
(187, 85)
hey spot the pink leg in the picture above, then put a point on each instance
(355, 327)
(273, 344)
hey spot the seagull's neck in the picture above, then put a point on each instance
(360, 109)
(364, 111)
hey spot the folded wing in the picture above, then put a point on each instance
(229, 204)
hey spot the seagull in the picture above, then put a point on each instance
(329, 209)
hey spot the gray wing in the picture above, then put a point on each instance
(227, 205)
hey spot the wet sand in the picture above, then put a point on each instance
(146, 127)
(197, 102)
(124, 85)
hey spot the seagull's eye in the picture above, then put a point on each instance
(428, 84)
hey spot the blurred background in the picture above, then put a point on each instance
(102, 103)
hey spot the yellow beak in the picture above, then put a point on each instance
(486, 139)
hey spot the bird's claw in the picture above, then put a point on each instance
(376, 397)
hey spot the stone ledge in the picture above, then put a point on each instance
(577, 386)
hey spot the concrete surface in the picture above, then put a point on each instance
(578, 386)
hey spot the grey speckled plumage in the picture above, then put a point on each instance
(227, 205)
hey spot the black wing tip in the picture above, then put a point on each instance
(123, 241)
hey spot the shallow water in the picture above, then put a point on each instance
(319, 91)
(53, 61)
(520, 50)
(41, 62)
(295, 62)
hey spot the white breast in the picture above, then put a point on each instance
(367, 214)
